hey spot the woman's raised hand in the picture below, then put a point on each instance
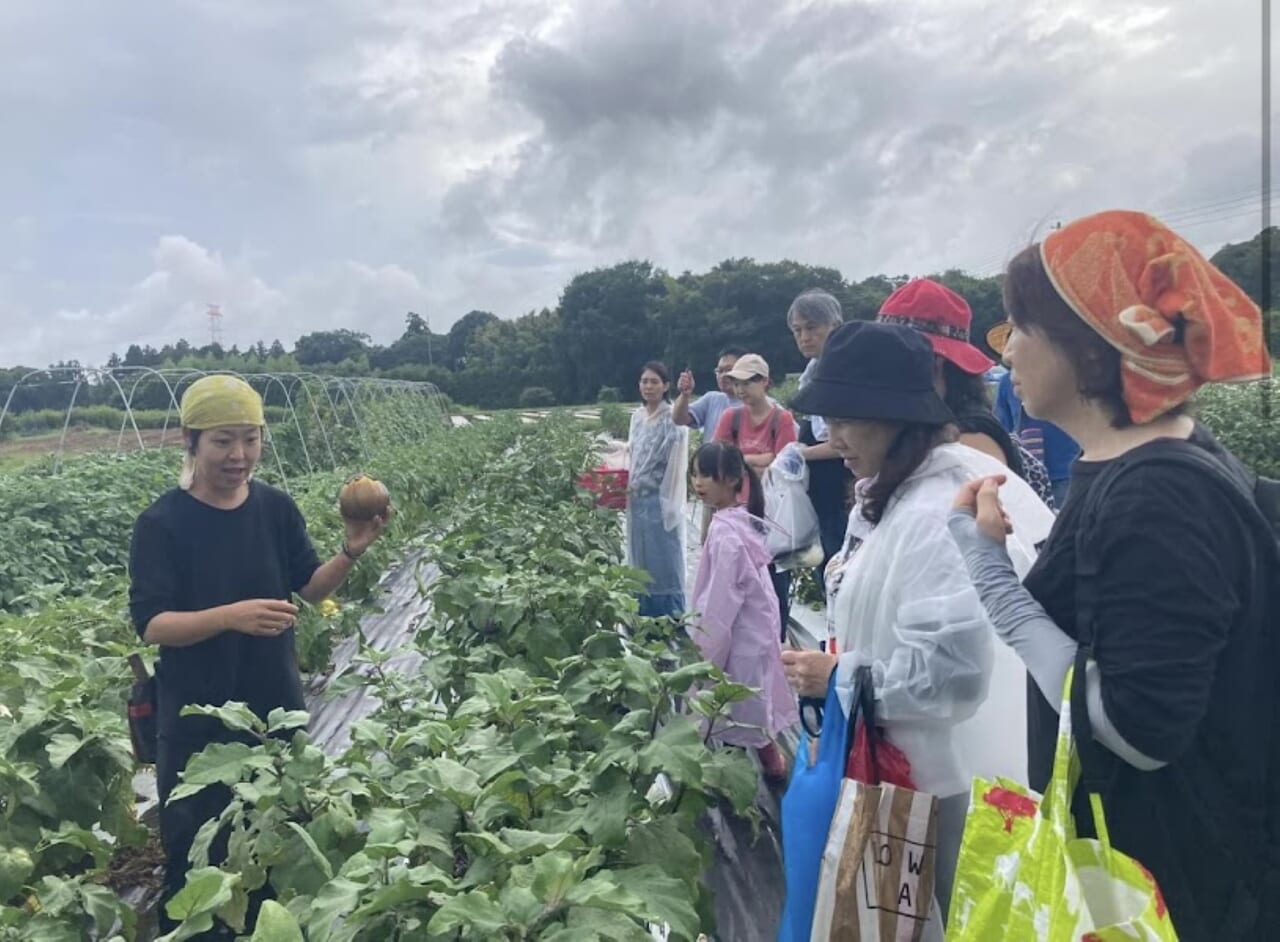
(981, 498)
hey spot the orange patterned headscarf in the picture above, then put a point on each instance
(1177, 321)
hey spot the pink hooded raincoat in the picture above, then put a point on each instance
(736, 625)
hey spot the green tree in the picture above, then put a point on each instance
(1243, 263)
(609, 330)
(461, 334)
(331, 346)
(745, 303)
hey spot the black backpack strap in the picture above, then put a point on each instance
(985, 423)
(1237, 483)
(1088, 566)
(775, 422)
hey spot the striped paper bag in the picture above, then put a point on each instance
(878, 868)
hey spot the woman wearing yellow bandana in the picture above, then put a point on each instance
(213, 565)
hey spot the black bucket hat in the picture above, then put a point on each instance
(874, 371)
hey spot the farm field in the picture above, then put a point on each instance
(533, 779)
(528, 770)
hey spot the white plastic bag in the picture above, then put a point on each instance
(792, 521)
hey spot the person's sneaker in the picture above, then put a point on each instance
(772, 763)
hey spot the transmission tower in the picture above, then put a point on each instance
(215, 324)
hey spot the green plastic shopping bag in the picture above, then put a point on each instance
(1024, 876)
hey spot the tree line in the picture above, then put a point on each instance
(607, 323)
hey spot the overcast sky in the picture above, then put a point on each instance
(336, 163)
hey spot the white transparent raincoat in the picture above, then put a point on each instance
(657, 492)
(950, 696)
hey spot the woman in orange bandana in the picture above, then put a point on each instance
(1155, 580)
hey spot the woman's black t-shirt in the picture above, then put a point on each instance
(187, 556)
(1188, 678)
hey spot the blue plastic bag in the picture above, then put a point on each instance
(807, 809)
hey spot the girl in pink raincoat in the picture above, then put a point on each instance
(735, 609)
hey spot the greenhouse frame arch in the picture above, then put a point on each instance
(310, 415)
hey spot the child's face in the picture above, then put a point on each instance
(713, 493)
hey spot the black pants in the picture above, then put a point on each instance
(782, 587)
(179, 824)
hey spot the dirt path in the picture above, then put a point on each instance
(16, 452)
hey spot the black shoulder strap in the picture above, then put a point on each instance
(735, 423)
(984, 423)
(775, 420)
(1237, 483)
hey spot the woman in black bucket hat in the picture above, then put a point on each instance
(899, 598)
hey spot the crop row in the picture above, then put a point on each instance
(540, 777)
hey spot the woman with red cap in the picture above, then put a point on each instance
(1158, 581)
(944, 318)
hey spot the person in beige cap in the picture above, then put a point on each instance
(760, 428)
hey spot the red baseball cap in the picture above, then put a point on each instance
(942, 316)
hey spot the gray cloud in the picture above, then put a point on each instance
(336, 164)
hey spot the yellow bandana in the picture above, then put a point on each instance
(216, 401)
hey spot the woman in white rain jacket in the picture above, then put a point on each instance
(900, 599)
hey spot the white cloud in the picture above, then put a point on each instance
(338, 163)
(171, 302)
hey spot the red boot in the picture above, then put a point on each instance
(772, 763)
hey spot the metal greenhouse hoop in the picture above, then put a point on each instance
(350, 401)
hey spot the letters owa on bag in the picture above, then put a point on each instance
(1023, 875)
(878, 868)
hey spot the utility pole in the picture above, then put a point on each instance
(215, 325)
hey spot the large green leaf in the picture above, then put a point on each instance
(61, 747)
(661, 842)
(460, 784)
(733, 775)
(331, 905)
(538, 842)
(639, 675)
(666, 899)
(397, 896)
(472, 911)
(677, 750)
(280, 719)
(605, 816)
(275, 924)
(206, 891)
(584, 924)
(603, 891)
(233, 715)
(219, 764)
(521, 906)
(47, 928)
(555, 874)
(317, 857)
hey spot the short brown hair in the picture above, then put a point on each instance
(1032, 302)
